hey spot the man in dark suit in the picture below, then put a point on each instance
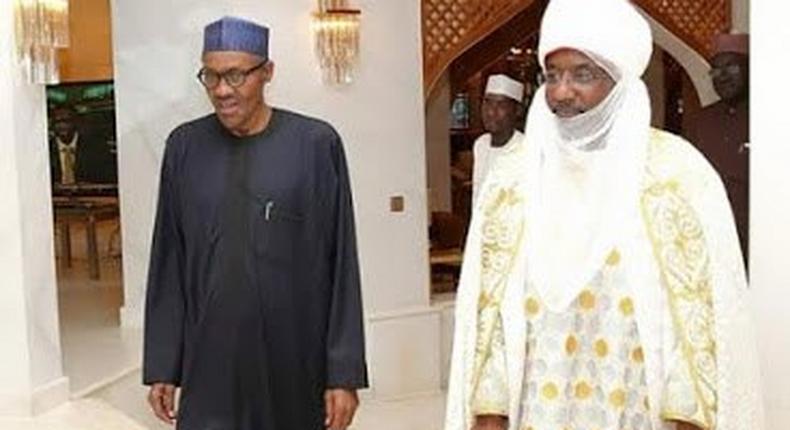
(68, 150)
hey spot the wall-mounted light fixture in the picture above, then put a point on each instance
(42, 27)
(336, 29)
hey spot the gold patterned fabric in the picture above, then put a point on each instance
(500, 240)
(681, 251)
(491, 396)
(678, 275)
(585, 364)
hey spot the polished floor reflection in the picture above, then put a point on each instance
(96, 351)
(121, 406)
(102, 360)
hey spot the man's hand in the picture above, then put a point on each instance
(341, 405)
(162, 398)
(490, 422)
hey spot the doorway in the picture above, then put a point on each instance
(84, 172)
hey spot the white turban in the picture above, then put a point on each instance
(608, 29)
(585, 172)
(504, 85)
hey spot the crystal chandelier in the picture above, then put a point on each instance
(42, 27)
(336, 29)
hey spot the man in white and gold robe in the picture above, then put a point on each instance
(603, 286)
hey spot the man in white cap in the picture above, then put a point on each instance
(501, 110)
(253, 304)
(721, 130)
(602, 285)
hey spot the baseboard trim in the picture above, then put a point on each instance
(414, 311)
(104, 383)
(40, 400)
(50, 395)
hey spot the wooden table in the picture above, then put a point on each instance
(88, 212)
(448, 257)
(445, 269)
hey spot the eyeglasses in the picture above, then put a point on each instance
(579, 76)
(233, 77)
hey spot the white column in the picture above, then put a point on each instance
(740, 15)
(31, 375)
(770, 205)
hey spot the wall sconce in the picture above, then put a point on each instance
(336, 29)
(42, 27)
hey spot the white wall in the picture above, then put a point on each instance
(31, 376)
(770, 205)
(380, 116)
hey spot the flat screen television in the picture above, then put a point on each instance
(85, 110)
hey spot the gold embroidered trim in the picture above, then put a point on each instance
(503, 229)
(681, 252)
(492, 392)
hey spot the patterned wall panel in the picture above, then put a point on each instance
(693, 21)
(450, 27)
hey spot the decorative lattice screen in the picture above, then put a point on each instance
(452, 26)
(693, 21)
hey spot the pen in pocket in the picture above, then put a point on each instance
(267, 210)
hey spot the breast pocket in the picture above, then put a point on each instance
(277, 229)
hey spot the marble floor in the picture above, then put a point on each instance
(418, 413)
(96, 350)
(102, 361)
(78, 414)
(121, 406)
